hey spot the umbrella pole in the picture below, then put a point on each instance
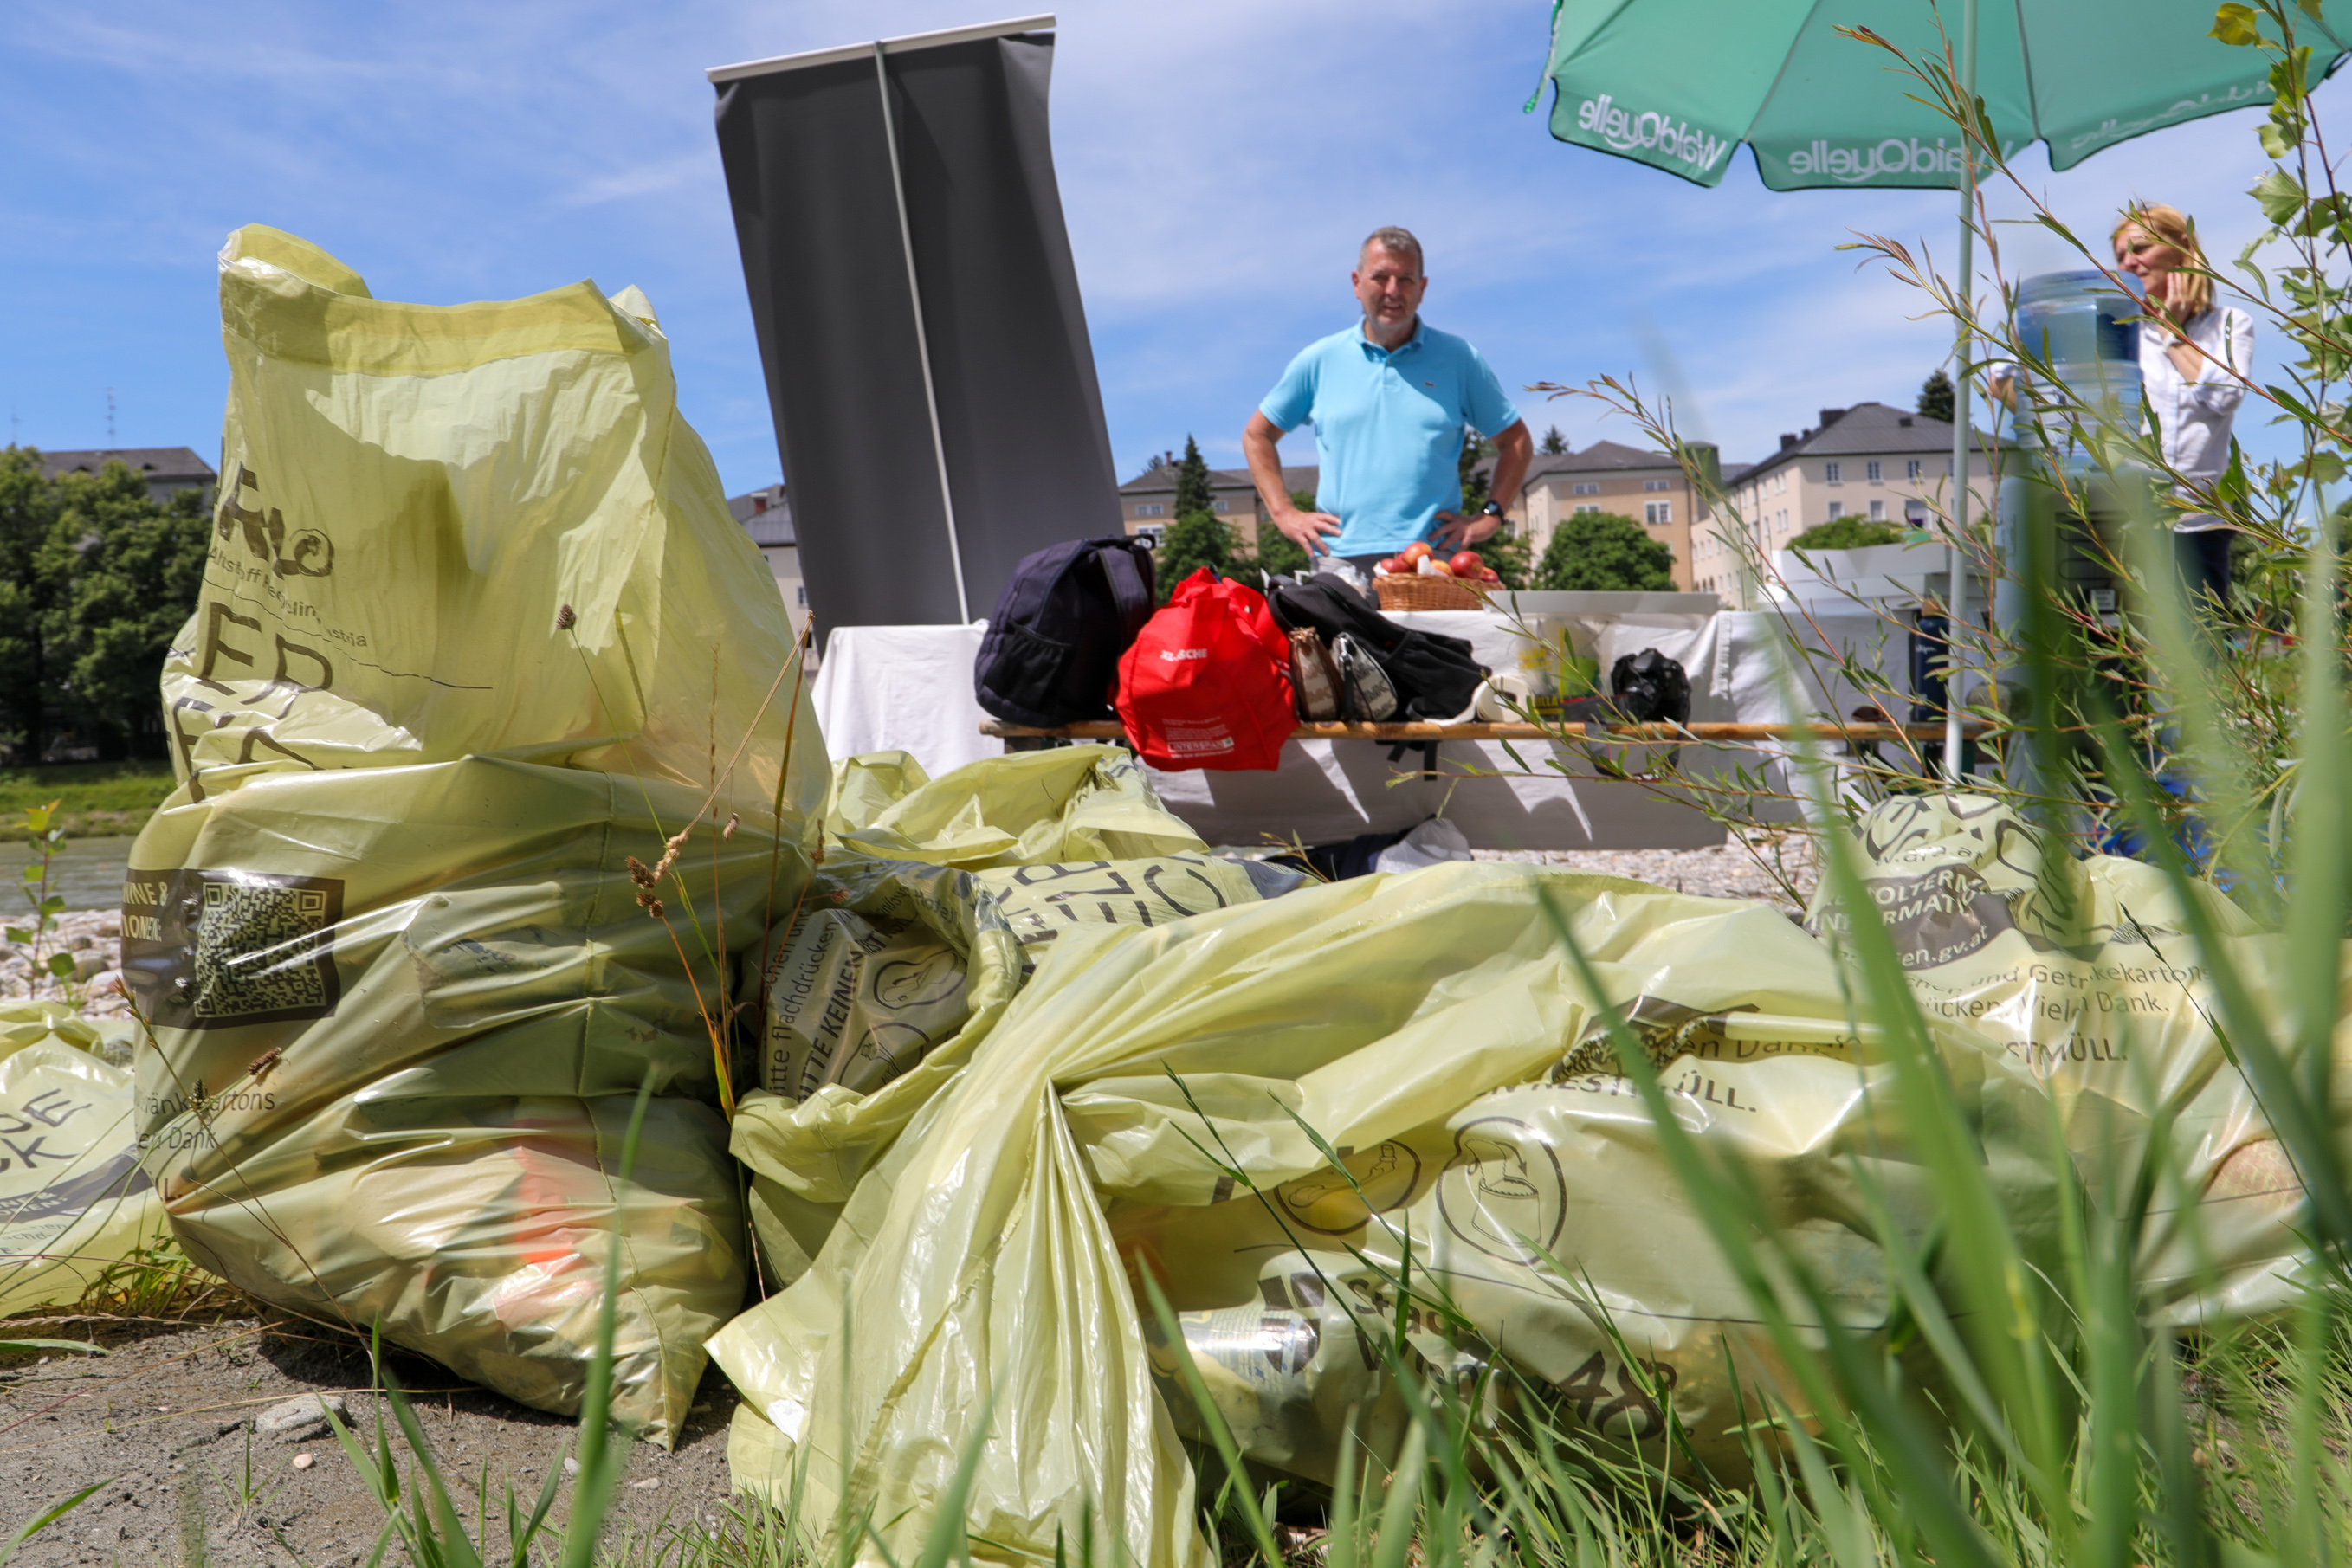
(1955, 596)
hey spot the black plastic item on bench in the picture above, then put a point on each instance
(1433, 675)
(1359, 856)
(1651, 688)
(1051, 650)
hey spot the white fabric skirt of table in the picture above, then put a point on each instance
(909, 688)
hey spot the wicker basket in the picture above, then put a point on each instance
(1418, 592)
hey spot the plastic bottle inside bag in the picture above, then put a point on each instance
(2084, 329)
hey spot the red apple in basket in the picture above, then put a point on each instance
(1413, 554)
(1433, 567)
(1465, 563)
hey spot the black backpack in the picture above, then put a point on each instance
(1051, 650)
(1433, 675)
(1649, 687)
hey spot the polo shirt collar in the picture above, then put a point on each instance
(1419, 327)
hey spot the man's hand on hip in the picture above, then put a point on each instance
(1306, 529)
(1455, 531)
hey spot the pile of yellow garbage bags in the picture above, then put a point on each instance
(1281, 1109)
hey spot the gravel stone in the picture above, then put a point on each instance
(300, 1418)
(1731, 870)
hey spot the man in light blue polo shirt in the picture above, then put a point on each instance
(1390, 399)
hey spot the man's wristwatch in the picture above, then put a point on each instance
(1491, 509)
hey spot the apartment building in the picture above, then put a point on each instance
(1147, 503)
(1869, 461)
(766, 515)
(1648, 486)
(166, 469)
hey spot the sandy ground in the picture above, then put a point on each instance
(165, 1421)
(162, 1420)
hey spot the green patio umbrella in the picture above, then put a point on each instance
(1681, 84)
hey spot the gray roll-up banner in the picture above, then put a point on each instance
(917, 306)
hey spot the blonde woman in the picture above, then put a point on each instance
(2192, 355)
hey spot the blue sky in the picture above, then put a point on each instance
(1218, 162)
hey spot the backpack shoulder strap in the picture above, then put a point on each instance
(1126, 587)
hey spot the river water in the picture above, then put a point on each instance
(88, 872)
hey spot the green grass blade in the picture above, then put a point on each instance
(1734, 1218)
(2278, 1087)
(1396, 1538)
(2316, 912)
(1219, 1435)
(600, 1463)
(443, 1524)
(518, 1541)
(1341, 1550)
(945, 1542)
(81, 1345)
(48, 1517)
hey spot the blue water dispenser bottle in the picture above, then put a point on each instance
(2068, 486)
(2085, 390)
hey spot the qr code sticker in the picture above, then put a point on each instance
(265, 949)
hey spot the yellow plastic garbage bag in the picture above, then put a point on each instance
(1025, 807)
(1042, 902)
(893, 969)
(868, 1002)
(2081, 971)
(72, 1198)
(885, 985)
(1430, 1027)
(476, 631)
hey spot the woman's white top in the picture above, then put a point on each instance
(2194, 413)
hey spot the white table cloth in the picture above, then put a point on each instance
(909, 688)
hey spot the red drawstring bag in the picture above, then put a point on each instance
(1206, 683)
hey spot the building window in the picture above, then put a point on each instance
(1581, 510)
(1911, 469)
(1833, 473)
(1915, 513)
(1151, 509)
(1584, 487)
(1152, 533)
(1878, 511)
(1657, 513)
(1837, 510)
(1780, 522)
(800, 592)
(1871, 471)
(1657, 484)
(1220, 506)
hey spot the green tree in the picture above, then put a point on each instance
(1509, 557)
(1193, 481)
(1192, 541)
(1554, 444)
(96, 578)
(1277, 555)
(1847, 533)
(1197, 537)
(1475, 479)
(28, 592)
(129, 570)
(1602, 553)
(1935, 396)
